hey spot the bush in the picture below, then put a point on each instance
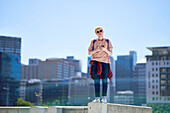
(21, 102)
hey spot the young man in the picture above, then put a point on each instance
(100, 49)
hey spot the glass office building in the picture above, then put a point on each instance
(124, 71)
(10, 72)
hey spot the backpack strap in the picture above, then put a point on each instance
(93, 44)
(95, 41)
(107, 42)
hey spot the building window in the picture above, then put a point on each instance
(168, 57)
(162, 87)
(156, 63)
(156, 75)
(156, 98)
(168, 82)
(157, 93)
(162, 93)
(167, 63)
(163, 76)
(153, 92)
(168, 76)
(156, 81)
(156, 69)
(152, 81)
(164, 63)
(168, 98)
(168, 93)
(156, 86)
(153, 87)
(152, 63)
(153, 98)
(163, 57)
(162, 70)
(168, 87)
(168, 70)
(152, 75)
(165, 98)
(163, 81)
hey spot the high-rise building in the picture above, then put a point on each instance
(78, 91)
(55, 92)
(10, 72)
(11, 45)
(124, 71)
(158, 75)
(55, 68)
(30, 71)
(77, 63)
(33, 91)
(140, 84)
(124, 97)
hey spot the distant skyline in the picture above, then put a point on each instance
(61, 28)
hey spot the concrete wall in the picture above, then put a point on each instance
(116, 108)
(91, 108)
(14, 109)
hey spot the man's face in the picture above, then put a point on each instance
(99, 32)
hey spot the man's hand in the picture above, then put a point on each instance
(98, 49)
(102, 48)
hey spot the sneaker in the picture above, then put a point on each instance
(97, 99)
(104, 99)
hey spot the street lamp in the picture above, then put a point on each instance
(7, 97)
(38, 96)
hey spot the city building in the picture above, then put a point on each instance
(33, 91)
(55, 68)
(79, 91)
(10, 72)
(124, 71)
(124, 97)
(23, 88)
(55, 92)
(11, 45)
(77, 63)
(30, 71)
(158, 75)
(139, 90)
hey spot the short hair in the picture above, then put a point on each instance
(97, 27)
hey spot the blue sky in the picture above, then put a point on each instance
(61, 28)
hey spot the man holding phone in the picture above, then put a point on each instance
(100, 63)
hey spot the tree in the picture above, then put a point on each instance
(160, 108)
(21, 102)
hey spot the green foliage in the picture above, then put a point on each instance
(21, 102)
(160, 108)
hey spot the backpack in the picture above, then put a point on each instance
(95, 41)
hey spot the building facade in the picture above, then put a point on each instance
(158, 75)
(10, 72)
(124, 71)
(55, 68)
(30, 71)
(11, 45)
(140, 84)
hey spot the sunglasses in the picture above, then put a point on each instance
(99, 31)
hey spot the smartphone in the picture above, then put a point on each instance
(102, 45)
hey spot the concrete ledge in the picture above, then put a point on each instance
(68, 109)
(116, 108)
(38, 109)
(97, 107)
(93, 107)
(14, 109)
